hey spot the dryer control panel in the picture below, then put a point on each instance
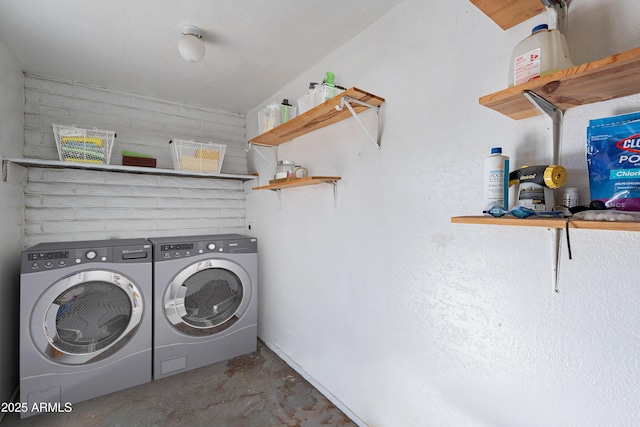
(178, 250)
(167, 250)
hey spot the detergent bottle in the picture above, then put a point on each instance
(544, 52)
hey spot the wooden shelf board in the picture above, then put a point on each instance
(316, 118)
(299, 182)
(128, 169)
(612, 77)
(507, 13)
(548, 223)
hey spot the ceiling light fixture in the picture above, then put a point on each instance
(191, 44)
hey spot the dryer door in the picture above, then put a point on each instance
(87, 316)
(207, 297)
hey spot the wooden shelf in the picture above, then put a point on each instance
(317, 118)
(612, 77)
(118, 168)
(548, 223)
(300, 182)
(507, 13)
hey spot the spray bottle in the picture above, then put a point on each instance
(312, 87)
(496, 180)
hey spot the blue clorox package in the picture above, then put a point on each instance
(613, 158)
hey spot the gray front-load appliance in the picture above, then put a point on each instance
(85, 321)
(205, 300)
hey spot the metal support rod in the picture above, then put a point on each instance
(260, 153)
(346, 100)
(556, 115)
(559, 9)
(556, 239)
(335, 192)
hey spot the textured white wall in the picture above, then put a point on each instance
(409, 320)
(11, 213)
(69, 204)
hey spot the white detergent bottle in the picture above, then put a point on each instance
(544, 52)
(496, 180)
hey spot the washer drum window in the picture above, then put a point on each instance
(87, 316)
(207, 297)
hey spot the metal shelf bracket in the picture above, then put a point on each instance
(326, 181)
(335, 191)
(556, 116)
(345, 102)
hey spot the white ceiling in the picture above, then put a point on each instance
(253, 47)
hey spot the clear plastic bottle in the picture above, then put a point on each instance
(496, 180)
(269, 117)
(545, 51)
(285, 111)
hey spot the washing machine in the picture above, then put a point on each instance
(205, 300)
(85, 321)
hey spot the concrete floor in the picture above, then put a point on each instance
(257, 389)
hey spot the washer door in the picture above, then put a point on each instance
(87, 316)
(207, 297)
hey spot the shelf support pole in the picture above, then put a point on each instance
(255, 148)
(556, 115)
(335, 191)
(560, 8)
(346, 101)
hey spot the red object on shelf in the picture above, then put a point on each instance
(138, 161)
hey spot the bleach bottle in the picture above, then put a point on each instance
(496, 180)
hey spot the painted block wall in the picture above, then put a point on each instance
(11, 212)
(142, 124)
(69, 204)
(405, 319)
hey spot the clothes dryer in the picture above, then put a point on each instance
(205, 300)
(85, 321)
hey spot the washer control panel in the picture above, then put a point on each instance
(51, 256)
(50, 260)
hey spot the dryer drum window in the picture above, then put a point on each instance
(91, 316)
(212, 297)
